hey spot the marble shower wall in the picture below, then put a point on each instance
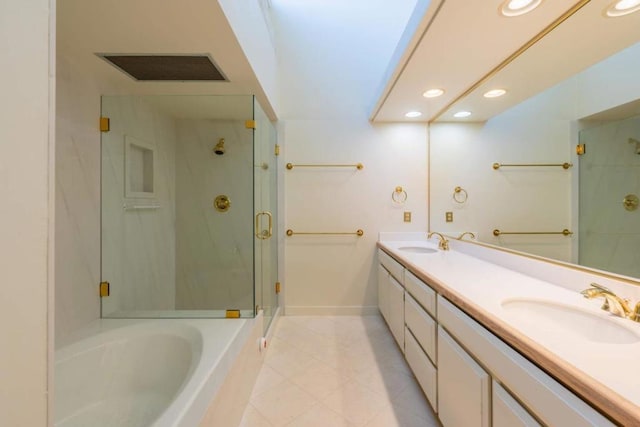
(609, 170)
(214, 250)
(77, 199)
(138, 245)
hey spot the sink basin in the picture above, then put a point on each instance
(418, 249)
(553, 318)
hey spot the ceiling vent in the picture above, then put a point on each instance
(166, 67)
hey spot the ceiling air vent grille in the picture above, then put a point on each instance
(166, 67)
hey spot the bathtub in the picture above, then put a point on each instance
(126, 373)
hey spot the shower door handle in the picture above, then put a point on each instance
(264, 234)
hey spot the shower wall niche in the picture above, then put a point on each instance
(166, 250)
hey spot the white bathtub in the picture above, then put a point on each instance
(126, 373)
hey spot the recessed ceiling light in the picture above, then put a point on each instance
(518, 7)
(433, 93)
(462, 114)
(413, 114)
(494, 93)
(622, 7)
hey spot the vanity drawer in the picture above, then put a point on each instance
(546, 398)
(421, 292)
(394, 267)
(422, 368)
(421, 325)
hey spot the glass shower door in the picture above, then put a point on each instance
(265, 187)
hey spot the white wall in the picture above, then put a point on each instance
(26, 212)
(332, 56)
(250, 22)
(542, 129)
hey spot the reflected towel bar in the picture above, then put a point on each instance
(358, 166)
(564, 232)
(497, 166)
(358, 233)
(136, 207)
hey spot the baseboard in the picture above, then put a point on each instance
(331, 310)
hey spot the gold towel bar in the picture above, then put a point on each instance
(358, 166)
(358, 233)
(565, 165)
(564, 232)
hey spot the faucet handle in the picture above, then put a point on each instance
(595, 290)
(635, 316)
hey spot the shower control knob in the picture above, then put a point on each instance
(222, 203)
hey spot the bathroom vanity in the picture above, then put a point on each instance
(493, 340)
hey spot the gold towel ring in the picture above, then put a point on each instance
(399, 196)
(460, 195)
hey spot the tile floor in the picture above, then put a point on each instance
(343, 371)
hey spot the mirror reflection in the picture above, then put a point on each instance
(597, 107)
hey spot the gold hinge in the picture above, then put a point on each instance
(233, 314)
(277, 287)
(250, 124)
(277, 150)
(104, 289)
(581, 149)
(104, 124)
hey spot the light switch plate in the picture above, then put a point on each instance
(448, 216)
(407, 217)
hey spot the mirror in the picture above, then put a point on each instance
(586, 74)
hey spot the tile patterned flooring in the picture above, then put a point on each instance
(336, 371)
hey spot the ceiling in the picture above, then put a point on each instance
(468, 48)
(85, 28)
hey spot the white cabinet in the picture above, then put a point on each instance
(396, 311)
(463, 386)
(394, 267)
(469, 375)
(383, 292)
(547, 399)
(507, 412)
(424, 371)
(421, 325)
(421, 292)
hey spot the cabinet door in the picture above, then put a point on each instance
(463, 386)
(396, 311)
(507, 412)
(421, 325)
(422, 368)
(383, 292)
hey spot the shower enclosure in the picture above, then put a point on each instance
(609, 196)
(188, 207)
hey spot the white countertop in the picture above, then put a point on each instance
(607, 351)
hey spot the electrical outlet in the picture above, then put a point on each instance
(448, 216)
(407, 217)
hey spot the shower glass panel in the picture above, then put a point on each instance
(178, 196)
(609, 179)
(266, 247)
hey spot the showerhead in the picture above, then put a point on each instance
(219, 148)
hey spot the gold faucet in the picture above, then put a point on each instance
(473, 236)
(612, 302)
(443, 244)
